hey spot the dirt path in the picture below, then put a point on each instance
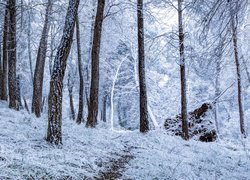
(116, 166)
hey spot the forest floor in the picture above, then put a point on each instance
(104, 154)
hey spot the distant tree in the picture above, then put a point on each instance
(95, 56)
(144, 124)
(71, 78)
(40, 63)
(80, 119)
(54, 134)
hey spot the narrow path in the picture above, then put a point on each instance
(116, 166)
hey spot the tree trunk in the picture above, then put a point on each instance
(93, 106)
(144, 124)
(72, 109)
(217, 89)
(29, 46)
(12, 55)
(88, 66)
(56, 83)
(40, 63)
(4, 79)
(19, 99)
(238, 70)
(79, 119)
(183, 74)
(26, 105)
(104, 108)
(71, 101)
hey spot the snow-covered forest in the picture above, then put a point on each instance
(124, 89)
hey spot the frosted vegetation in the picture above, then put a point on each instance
(85, 153)
(194, 52)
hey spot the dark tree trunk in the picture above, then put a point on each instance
(144, 124)
(4, 79)
(88, 66)
(40, 63)
(104, 108)
(79, 119)
(56, 83)
(12, 55)
(19, 99)
(72, 109)
(93, 106)
(183, 74)
(71, 101)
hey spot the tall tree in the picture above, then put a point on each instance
(40, 63)
(29, 44)
(71, 82)
(144, 124)
(4, 79)
(94, 89)
(80, 68)
(234, 17)
(12, 82)
(182, 73)
(54, 134)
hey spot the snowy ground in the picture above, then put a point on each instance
(89, 153)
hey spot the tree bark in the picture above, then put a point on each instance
(88, 66)
(4, 79)
(80, 119)
(71, 101)
(40, 63)
(12, 82)
(104, 108)
(182, 73)
(93, 104)
(54, 134)
(144, 124)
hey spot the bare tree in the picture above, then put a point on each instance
(4, 79)
(144, 124)
(237, 64)
(182, 73)
(70, 89)
(40, 63)
(12, 82)
(80, 119)
(94, 89)
(54, 134)
(29, 45)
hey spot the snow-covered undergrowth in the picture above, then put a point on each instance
(24, 153)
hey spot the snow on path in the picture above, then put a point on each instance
(86, 152)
